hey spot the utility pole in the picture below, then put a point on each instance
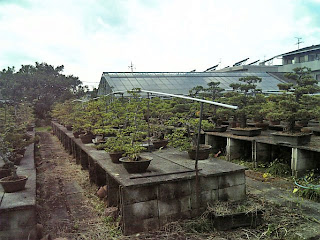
(298, 41)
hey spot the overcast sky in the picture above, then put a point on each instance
(93, 36)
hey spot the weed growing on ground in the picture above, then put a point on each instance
(43, 129)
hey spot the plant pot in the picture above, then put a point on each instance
(10, 185)
(136, 166)
(293, 139)
(262, 125)
(4, 172)
(218, 129)
(204, 151)
(160, 143)
(77, 134)
(86, 138)
(115, 156)
(274, 122)
(69, 127)
(248, 132)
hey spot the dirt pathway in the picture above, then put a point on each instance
(67, 205)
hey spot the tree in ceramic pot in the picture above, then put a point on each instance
(248, 99)
(12, 183)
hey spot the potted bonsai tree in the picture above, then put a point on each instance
(14, 182)
(186, 139)
(160, 111)
(296, 103)
(117, 146)
(135, 128)
(245, 95)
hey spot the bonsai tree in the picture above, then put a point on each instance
(117, 144)
(270, 111)
(246, 96)
(296, 102)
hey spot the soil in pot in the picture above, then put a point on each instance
(136, 166)
(160, 143)
(115, 156)
(10, 184)
(204, 151)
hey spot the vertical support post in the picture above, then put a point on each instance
(148, 120)
(196, 163)
(198, 138)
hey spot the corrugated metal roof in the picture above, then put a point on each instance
(178, 82)
(301, 50)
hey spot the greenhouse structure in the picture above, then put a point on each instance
(180, 82)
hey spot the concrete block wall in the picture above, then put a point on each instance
(233, 149)
(17, 224)
(302, 160)
(151, 207)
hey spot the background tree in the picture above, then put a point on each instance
(42, 85)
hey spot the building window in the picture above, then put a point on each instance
(312, 57)
(318, 77)
(301, 59)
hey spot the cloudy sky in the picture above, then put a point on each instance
(92, 36)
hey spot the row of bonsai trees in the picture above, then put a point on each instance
(15, 120)
(132, 120)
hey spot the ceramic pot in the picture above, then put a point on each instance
(136, 166)
(13, 185)
(204, 151)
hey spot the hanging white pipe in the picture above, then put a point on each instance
(190, 98)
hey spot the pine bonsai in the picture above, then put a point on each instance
(246, 96)
(297, 101)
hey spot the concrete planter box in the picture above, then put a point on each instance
(248, 132)
(291, 139)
